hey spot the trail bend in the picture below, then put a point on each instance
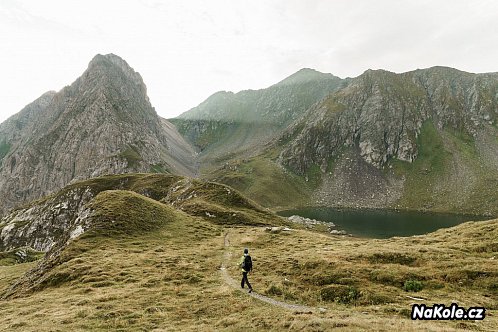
(236, 284)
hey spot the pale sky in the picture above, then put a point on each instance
(186, 50)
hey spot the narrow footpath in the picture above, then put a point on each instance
(236, 284)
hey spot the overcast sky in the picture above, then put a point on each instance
(187, 50)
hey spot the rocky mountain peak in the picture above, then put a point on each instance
(112, 61)
(109, 70)
(244, 122)
(103, 123)
(378, 76)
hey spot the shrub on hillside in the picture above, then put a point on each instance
(412, 286)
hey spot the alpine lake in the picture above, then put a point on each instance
(381, 224)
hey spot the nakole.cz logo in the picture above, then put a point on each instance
(441, 312)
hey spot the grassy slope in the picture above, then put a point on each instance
(425, 171)
(149, 266)
(359, 275)
(265, 182)
(448, 175)
(13, 257)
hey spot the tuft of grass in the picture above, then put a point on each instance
(413, 286)
(274, 290)
(327, 278)
(57, 279)
(340, 294)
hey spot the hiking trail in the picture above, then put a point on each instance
(236, 284)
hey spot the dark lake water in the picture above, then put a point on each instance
(382, 223)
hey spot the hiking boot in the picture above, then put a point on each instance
(250, 290)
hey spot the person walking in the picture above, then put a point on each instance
(246, 265)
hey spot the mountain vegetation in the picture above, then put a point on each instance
(231, 124)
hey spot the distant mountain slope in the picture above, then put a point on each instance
(233, 124)
(421, 139)
(102, 123)
(382, 113)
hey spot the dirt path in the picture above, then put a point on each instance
(236, 284)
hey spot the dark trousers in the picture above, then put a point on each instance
(244, 280)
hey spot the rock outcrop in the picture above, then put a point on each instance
(68, 213)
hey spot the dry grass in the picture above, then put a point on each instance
(374, 277)
(166, 278)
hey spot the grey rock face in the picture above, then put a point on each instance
(425, 140)
(381, 114)
(103, 123)
(41, 226)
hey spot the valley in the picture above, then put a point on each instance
(113, 218)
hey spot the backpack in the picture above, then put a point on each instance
(247, 263)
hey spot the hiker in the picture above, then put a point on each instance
(246, 265)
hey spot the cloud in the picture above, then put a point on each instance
(187, 50)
